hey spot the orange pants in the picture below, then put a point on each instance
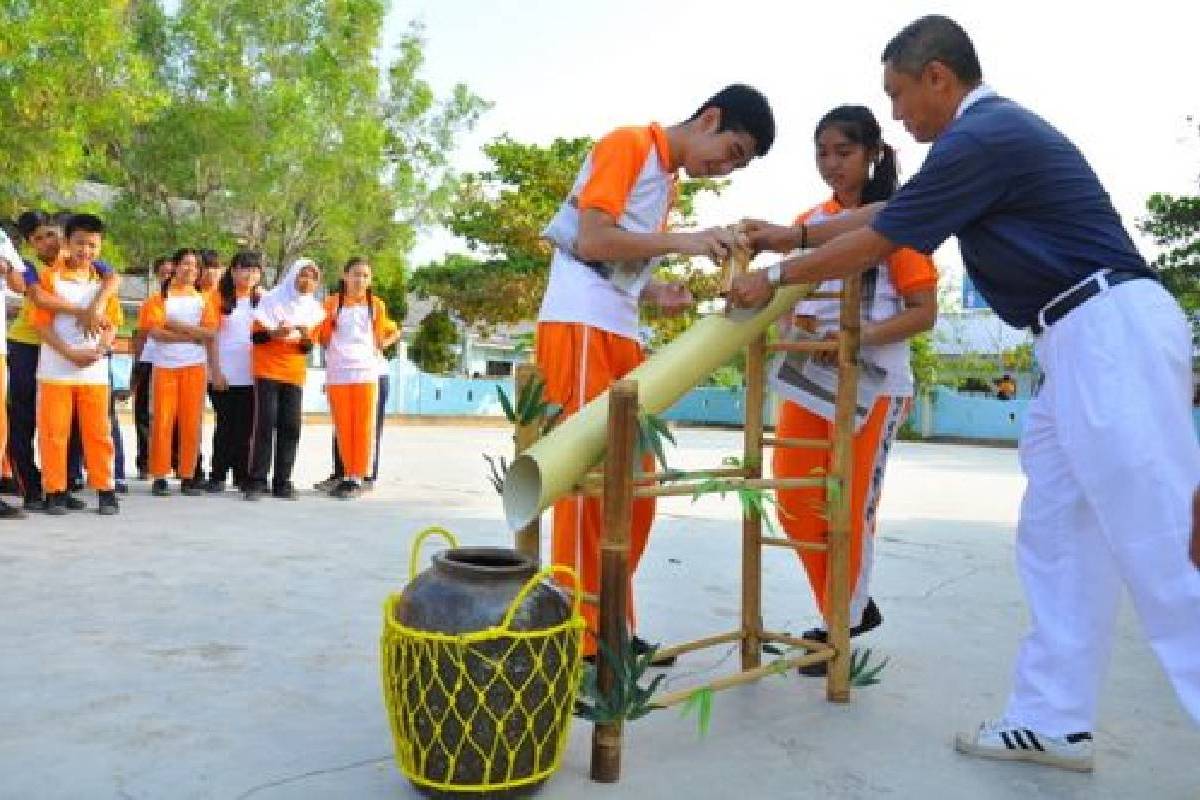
(578, 363)
(176, 393)
(802, 510)
(353, 408)
(57, 404)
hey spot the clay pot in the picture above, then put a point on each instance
(494, 692)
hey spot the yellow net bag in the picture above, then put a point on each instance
(485, 711)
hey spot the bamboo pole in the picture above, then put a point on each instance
(795, 641)
(778, 666)
(614, 566)
(838, 578)
(730, 485)
(779, 541)
(676, 475)
(807, 444)
(529, 537)
(751, 522)
(699, 644)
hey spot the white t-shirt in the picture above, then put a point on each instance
(186, 309)
(52, 366)
(234, 345)
(8, 253)
(351, 356)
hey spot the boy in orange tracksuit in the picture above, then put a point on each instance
(73, 370)
(608, 236)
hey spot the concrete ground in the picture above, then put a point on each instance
(212, 648)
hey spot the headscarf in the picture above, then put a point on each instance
(285, 305)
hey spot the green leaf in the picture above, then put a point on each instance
(506, 404)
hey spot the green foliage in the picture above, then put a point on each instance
(701, 702)
(500, 213)
(431, 348)
(498, 469)
(1174, 222)
(74, 90)
(862, 672)
(754, 502)
(530, 406)
(924, 361)
(628, 699)
(651, 430)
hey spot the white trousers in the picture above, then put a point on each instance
(1111, 456)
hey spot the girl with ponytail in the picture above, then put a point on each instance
(353, 334)
(899, 301)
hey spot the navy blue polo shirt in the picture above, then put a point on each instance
(1030, 215)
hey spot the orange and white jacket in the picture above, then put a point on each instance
(80, 289)
(351, 335)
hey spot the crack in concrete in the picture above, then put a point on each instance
(931, 591)
(310, 774)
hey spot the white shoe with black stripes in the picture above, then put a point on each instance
(1001, 740)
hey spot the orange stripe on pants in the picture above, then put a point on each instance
(579, 363)
(353, 408)
(176, 393)
(802, 510)
(57, 404)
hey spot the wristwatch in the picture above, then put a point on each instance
(775, 274)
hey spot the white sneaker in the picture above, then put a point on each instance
(1001, 740)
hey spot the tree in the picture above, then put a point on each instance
(500, 214)
(72, 89)
(432, 347)
(284, 132)
(1174, 222)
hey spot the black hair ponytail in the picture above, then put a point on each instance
(859, 125)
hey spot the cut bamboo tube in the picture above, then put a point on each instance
(779, 541)
(556, 462)
(838, 578)
(614, 567)
(699, 644)
(529, 537)
(807, 444)
(747, 676)
(752, 451)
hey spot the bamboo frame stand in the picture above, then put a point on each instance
(618, 485)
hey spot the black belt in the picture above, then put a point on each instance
(1065, 303)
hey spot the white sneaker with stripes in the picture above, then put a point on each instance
(1001, 740)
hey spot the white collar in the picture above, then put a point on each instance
(974, 96)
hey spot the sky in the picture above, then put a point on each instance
(1120, 83)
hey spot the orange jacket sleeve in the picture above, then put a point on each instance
(616, 162)
(912, 271)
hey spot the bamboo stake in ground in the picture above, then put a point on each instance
(838, 578)
(751, 522)
(528, 538)
(614, 566)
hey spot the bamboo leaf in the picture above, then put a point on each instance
(506, 404)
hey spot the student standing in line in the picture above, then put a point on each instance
(73, 370)
(44, 235)
(11, 268)
(284, 323)
(231, 372)
(181, 320)
(144, 350)
(352, 335)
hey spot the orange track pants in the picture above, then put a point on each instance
(579, 363)
(176, 393)
(353, 408)
(801, 511)
(58, 403)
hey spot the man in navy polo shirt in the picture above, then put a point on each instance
(1109, 446)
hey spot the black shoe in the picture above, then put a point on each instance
(55, 506)
(284, 491)
(76, 486)
(121, 487)
(254, 493)
(641, 647)
(73, 503)
(214, 486)
(329, 484)
(108, 504)
(35, 503)
(346, 490)
(159, 488)
(871, 619)
(191, 487)
(11, 512)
